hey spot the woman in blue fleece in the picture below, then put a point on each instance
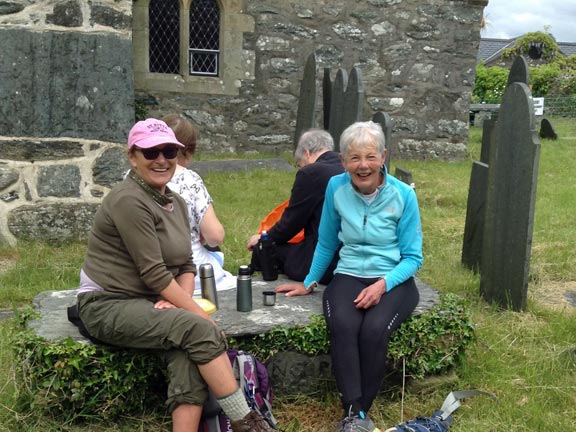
(375, 220)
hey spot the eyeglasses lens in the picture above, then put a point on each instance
(153, 153)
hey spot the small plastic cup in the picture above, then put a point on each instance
(268, 298)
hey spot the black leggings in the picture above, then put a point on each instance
(359, 337)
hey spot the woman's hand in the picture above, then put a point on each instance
(371, 295)
(292, 290)
(164, 304)
(252, 241)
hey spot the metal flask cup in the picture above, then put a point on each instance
(244, 289)
(208, 284)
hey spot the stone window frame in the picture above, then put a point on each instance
(236, 64)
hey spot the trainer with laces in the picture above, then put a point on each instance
(359, 422)
(371, 222)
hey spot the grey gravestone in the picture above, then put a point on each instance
(384, 120)
(547, 131)
(487, 141)
(511, 196)
(475, 211)
(306, 115)
(519, 72)
(337, 107)
(353, 99)
(326, 97)
(405, 176)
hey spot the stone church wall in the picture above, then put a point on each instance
(67, 93)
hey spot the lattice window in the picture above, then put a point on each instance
(164, 19)
(204, 44)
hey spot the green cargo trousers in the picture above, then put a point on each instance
(183, 339)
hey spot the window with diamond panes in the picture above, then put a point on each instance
(164, 19)
(204, 45)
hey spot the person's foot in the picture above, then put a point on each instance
(253, 422)
(357, 423)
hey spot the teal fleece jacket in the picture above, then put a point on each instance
(380, 239)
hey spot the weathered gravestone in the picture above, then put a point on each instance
(547, 130)
(476, 206)
(306, 115)
(387, 124)
(510, 200)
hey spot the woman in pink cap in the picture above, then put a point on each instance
(137, 282)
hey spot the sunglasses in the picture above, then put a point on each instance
(152, 153)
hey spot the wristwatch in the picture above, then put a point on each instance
(311, 286)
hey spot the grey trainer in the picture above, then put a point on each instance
(357, 423)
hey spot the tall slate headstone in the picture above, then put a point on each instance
(326, 97)
(337, 107)
(475, 211)
(387, 124)
(511, 196)
(306, 115)
(519, 72)
(476, 205)
(353, 99)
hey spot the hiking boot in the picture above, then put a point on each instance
(253, 422)
(357, 423)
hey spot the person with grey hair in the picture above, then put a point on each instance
(373, 220)
(317, 163)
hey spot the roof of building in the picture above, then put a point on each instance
(491, 49)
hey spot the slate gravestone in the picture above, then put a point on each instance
(475, 210)
(476, 205)
(353, 99)
(519, 72)
(306, 115)
(546, 130)
(387, 124)
(487, 141)
(404, 176)
(326, 97)
(335, 125)
(511, 195)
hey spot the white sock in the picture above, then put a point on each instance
(234, 405)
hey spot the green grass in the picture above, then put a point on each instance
(527, 359)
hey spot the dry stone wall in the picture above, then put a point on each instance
(67, 97)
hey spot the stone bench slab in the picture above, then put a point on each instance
(53, 324)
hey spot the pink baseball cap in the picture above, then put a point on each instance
(151, 133)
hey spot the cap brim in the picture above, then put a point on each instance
(154, 141)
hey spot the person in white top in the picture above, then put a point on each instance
(205, 228)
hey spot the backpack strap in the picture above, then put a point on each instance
(250, 388)
(452, 401)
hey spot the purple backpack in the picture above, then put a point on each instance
(252, 378)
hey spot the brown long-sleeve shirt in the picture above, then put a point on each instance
(136, 247)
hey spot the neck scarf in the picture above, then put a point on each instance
(159, 198)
